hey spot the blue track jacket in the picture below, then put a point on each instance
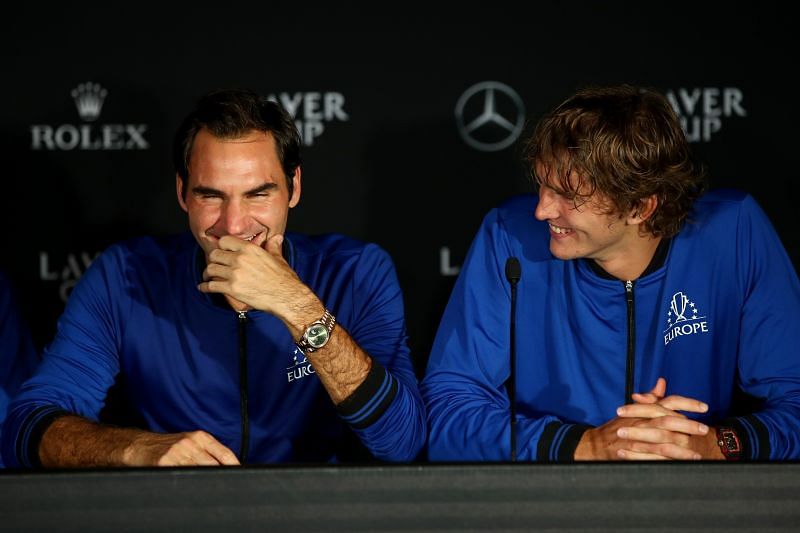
(722, 312)
(190, 364)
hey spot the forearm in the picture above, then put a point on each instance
(466, 424)
(592, 448)
(73, 441)
(770, 433)
(387, 416)
(341, 365)
(470, 434)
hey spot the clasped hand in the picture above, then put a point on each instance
(651, 428)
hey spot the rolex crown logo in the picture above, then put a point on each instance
(89, 99)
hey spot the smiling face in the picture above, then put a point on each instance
(587, 228)
(236, 187)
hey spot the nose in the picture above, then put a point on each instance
(233, 218)
(547, 206)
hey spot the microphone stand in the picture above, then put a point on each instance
(513, 274)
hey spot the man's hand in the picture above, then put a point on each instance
(660, 431)
(196, 448)
(656, 393)
(646, 440)
(662, 437)
(652, 429)
(255, 275)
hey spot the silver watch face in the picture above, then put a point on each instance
(317, 335)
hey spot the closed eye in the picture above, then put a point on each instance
(206, 193)
(262, 191)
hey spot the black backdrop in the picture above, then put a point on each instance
(376, 89)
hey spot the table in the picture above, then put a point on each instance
(418, 497)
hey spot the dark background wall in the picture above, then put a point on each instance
(375, 89)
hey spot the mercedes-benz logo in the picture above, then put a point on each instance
(490, 116)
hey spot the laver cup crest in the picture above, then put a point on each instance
(678, 324)
(678, 306)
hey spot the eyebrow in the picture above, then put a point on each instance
(262, 188)
(208, 191)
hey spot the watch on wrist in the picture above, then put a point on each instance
(729, 443)
(317, 333)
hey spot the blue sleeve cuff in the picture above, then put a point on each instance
(27, 445)
(370, 400)
(753, 436)
(558, 442)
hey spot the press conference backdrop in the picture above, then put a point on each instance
(411, 118)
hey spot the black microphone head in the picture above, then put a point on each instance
(513, 270)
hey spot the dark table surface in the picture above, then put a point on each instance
(443, 497)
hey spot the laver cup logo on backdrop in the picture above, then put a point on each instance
(703, 109)
(312, 110)
(89, 99)
(490, 116)
(64, 270)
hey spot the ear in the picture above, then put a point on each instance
(296, 187)
(179, 190)
(645, 210)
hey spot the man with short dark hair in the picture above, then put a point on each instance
(243, 344)
(629, 281)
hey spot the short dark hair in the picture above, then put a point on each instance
(232, 113)
(625, 142)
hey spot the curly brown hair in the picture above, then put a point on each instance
(627, 144)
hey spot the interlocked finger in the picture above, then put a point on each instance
(665, 449)
(646, 410)
(639, 456)
(653, 435)
(682, 403)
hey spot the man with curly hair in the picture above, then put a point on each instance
(645, 311)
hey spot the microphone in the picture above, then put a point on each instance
(513, 275)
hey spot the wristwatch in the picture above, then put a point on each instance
(317, 333)
(729, 443)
